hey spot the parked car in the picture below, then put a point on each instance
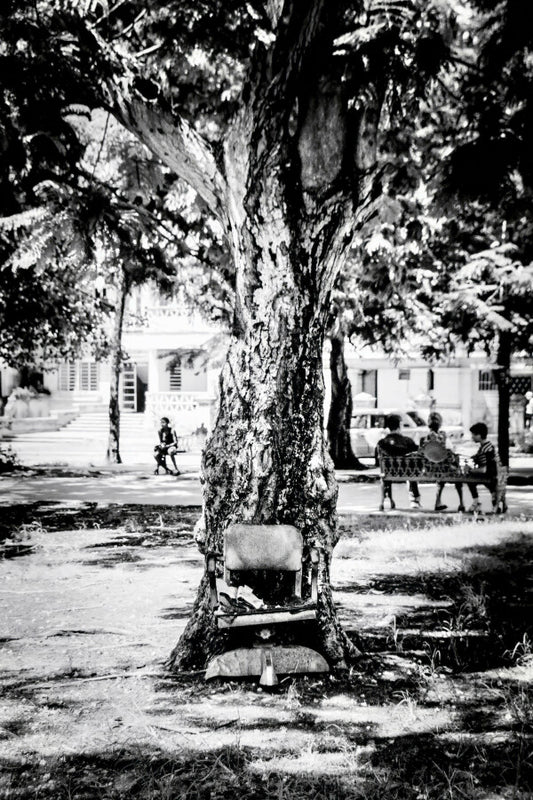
(368, 427)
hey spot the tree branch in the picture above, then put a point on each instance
(139, 105)
(273, 9)
(173, 140)
(298, 27)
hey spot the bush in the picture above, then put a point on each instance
(528, 442)
(21, 393)
(8, 459)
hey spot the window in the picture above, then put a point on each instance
(175, 378)
(88, 376)
(520, 384)
(82, 375)
(404, 374)
(67, 377)
(487, 380)
(431, 380)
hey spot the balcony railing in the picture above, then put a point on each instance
(187, 411)
(177, 316)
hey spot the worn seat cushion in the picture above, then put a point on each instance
(270, 547)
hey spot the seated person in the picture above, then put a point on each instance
(486, 465)
(436, 435)
(396, 444)
(168, 446)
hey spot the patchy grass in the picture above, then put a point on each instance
(439, 706)
(409, 768)
(52, 516)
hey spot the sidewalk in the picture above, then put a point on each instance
(137, 485)
(71, 468)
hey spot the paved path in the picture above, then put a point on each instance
(82, 444)
(129, 485)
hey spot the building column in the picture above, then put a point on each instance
(153, 372)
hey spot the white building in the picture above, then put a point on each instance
(171, 372)
(168, 371)
(464, 388)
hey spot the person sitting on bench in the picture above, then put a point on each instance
(396, 444)
(486, 466)
(168, 446)
(436, 435)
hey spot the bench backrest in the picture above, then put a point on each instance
(270, 547)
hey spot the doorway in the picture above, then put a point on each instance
(141, 387)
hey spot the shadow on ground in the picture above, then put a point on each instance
(439, 706)
(409, 767)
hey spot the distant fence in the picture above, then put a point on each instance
(191, 442)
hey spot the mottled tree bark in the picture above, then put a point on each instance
(341, 405)
(113, 442)
(266, 461)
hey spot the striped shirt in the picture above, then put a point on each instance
(486, 459)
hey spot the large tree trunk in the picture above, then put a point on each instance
(298, 177)
(294, 179)
(504, 395)
(341, 405)
(266, 461)
(113, 442)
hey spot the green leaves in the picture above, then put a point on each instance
(488, 295)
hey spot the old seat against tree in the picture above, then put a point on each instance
(434, 463)
(273, 551)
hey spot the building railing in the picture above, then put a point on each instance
(176, 315)
(187, 411)
(173, 310)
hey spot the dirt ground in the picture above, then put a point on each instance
(440, 705)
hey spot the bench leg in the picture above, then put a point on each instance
(386, 491)
(504, 500)
(438, 499)
(161, 461)
(459, 489)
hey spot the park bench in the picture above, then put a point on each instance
(272, 551)
(186, 443)
(434, 463)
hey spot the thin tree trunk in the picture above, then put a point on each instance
(340, 409)
(113, 444)
(504, 395)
